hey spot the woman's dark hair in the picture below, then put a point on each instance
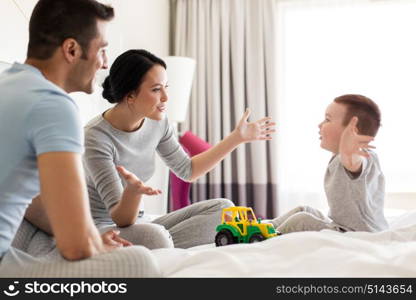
(127, 73)
(54, 21)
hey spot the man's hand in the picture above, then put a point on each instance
(255, 131)
(134, 184)
(353, 146)
(112, 240)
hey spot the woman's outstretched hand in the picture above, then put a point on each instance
(254, 131)
(134, 184)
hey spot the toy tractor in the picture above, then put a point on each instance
(239, 225)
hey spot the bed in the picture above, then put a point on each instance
(327, 253)
(391, 253)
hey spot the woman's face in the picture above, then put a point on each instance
(150, 98)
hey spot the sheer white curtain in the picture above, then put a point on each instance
(329, 48)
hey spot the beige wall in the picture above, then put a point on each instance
(13, 30)
(145, 24)
(138, 24)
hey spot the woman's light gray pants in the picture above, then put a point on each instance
(187, 227)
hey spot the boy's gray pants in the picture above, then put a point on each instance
(304, 218)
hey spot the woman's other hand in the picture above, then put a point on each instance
(134, 184)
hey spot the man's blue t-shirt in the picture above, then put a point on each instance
(36, 117)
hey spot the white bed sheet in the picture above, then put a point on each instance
(327, 253)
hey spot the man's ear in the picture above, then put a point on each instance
(71, 50)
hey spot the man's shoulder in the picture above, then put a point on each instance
(61, 105)
(23, 73)
(29, 87)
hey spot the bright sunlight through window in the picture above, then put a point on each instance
(330, 48)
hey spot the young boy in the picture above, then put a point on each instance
(354, 183)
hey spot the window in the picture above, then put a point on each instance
(330, 48)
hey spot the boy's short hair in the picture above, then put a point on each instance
(53, 21)
(365, 109)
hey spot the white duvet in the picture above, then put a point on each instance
(327, 253)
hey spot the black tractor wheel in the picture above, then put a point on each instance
(224, 237)
(257, 237)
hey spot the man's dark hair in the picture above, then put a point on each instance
(365, 109)
(128, 72)
(54, 21)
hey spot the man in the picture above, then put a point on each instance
(42, 142)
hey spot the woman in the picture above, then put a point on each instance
(127, 136)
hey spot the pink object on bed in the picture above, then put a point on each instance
(179, 195)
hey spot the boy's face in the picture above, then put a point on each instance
(331, 128)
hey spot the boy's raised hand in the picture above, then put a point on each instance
(254, 131)
(135, 184)
(352, 146)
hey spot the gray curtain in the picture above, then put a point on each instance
(234, 44)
